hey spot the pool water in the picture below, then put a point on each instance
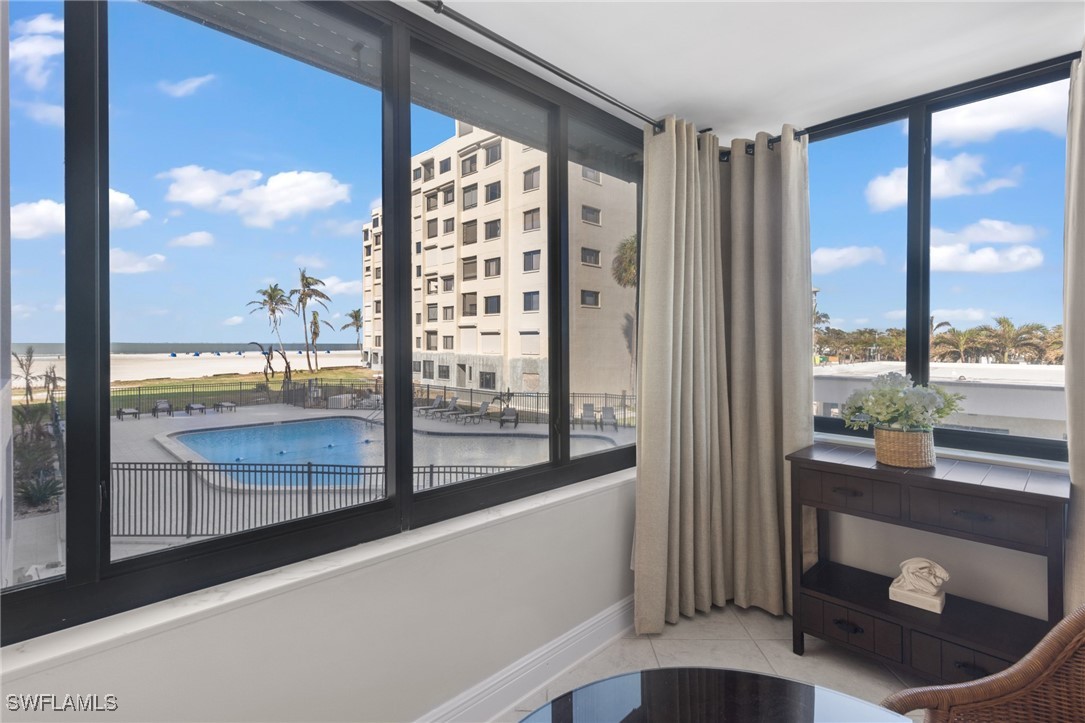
(341, 440)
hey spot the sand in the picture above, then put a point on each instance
(136, 367)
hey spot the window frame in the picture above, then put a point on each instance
(534, 174)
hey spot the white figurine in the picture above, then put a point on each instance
(919, 584)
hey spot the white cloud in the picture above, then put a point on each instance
(986, 260)
(185, 87)
(196, 238)
(310, 262)
(1040, 108)
(343, 227)
(35, 48)
(233, 320)
(861, 321)
(969, 314)
(291, 193)
(126, 262)
(123, 211)
(334, 285)
(61, 306)
(827, 260)
(962, 175)
(22, 311)
(985, 230)
(44, 113)
(896, 314)
(37, 219)
(376, 204)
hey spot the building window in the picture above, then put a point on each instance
(448, 313)
(531, 301)
(487, 380)
(532, 260)
(376, 221)
(418, 318)
(470, 232)
(532, 178)
(377, 341)
(377, 306)
(492, 268)
(376, 240)
(417, 271)
(468, 165)
(589, 298)
(493, 154)
(492, 304)
(446, 165)
(532, 220)
(493, 229)
(446, 342)
(431, 201)
(448, 225)
(427, 369)
(470, 304)
(589, 256)
(431, 312)
(431, 286)
(431, 228)
(590, 174)
(448, 283)
(418, 342)
(365, 234)
(416, 366)
(418, 247)
(493, 191)
(368, 250)
(448, 195)
(377, 273)
(470, 268)
(442, 371)
(427, 170)
(470, 196)
(431, 340)
(416, 174)
(590, 214)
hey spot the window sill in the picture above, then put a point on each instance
(1010, 460)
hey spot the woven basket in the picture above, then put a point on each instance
(904, 449)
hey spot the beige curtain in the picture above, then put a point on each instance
(1074, 333)
(725, 252)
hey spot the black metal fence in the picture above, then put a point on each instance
(193, 499)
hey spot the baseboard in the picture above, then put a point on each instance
(509, 686)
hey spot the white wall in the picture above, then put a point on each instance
(384, 631)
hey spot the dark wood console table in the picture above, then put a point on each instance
(1009, 507)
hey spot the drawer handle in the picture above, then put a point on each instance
(847, 492)
(972, 516)
(847, 626)
(972, 669)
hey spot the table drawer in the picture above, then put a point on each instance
(849, 626)
(953, 663)
(997, 519)
(850, 492)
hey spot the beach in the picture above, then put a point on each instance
(137, 367)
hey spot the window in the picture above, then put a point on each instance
(493, 191)
(368, 250)
(442, 371)
(376, 221)
(448, 283)
(377, 306)
(365, 234)
(431, 228)
(377, 341)
(529, 343)
(470, 196)
(470, 268)
(487, 380)
(377, 273)
(446, 165)
(492, 304)
(417, 271)
(531, 301)
(418, 342)
(532, 178)
(470, 232)
(590, 214)
(416, 366)
(431, 340)
(493, 229)
(468, 165)
(448, 313)
(431, 201)
(427, 369)
(470, 304)
(493, 154)
(532, 260)
(589, 298)
(446, 342)
(418, 247)
(418, 318)
(492, 268)
(416, 174)
(377, 240)
(590, 174)
(431, 312)
(431, 286)
(448, 225)
(448, 195)
(532, 220)
(427, 171)
(589, 256)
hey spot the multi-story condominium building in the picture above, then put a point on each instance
(479, 235)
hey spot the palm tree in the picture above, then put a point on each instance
(1006, 340)
(624, 266)
(355, 316)
(956, 343)
(275, 302)
(314, 333)
(26, 372)
(307, 291)
(893, 344)
(1053, 350)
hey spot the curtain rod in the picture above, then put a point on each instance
(439, 7)
(725, 156)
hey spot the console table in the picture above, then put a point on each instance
(1009, 507)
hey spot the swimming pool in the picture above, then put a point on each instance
(347, 441)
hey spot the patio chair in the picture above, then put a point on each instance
(162, 406)
(608, 418)
(123, 412)
(437, 404)
(475, 417)
(587, 414)
(446, 412)
(1048, 684)
(511, 416)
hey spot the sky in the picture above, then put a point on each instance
(219, 187)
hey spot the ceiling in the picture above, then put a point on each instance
(743, 67)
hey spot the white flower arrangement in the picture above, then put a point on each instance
(894, 402)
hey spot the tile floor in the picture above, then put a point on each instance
(728, 638)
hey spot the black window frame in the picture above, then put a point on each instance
(598, 299)
(585, 254)
(534, 175)
(491, 383)
(486, 304)
(584, 213)
(95, 586)
(492, 192)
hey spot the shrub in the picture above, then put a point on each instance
(38, 490)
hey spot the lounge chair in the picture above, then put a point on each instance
(608, 418)
(587, 414)
(123, 412)
(509, 415)
(475, 417)
(437, 404)
(195, 407)
(160, 406)
(446, 412)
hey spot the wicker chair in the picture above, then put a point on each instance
(1047, 685)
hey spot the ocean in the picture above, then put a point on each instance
(46, 349)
